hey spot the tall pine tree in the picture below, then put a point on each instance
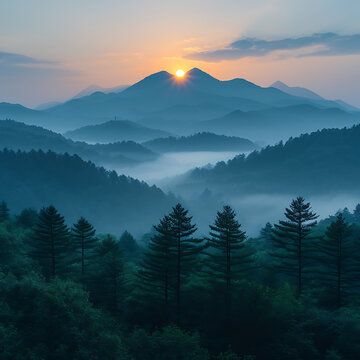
(186, 250)
(4, 211)
(291, 239)
(231, 258)
(157, 267)
(83, 234)
(108, 280)
(340, 260)
(51, 242)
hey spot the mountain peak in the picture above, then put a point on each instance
(278, 84)
(197, 73)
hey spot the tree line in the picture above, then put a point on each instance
(224, 285)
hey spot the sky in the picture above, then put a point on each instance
(50, 50)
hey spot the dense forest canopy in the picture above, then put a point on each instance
(19, 136)
(112, 202)
(312, 163)
(106, 297)
(204, 141)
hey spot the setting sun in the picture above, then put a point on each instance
(180, 73)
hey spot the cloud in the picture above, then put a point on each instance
(323, 44)
(17, 65)
(11, 59)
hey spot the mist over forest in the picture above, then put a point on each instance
(181, 217)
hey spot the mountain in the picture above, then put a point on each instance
(306, 93)
(96, 88)
(19, 136)
(164, 101)
(47, 105)
(200, 142)
(77, 188)
(296, 91)
(115, 130)
(85, 92)
(277, 124)
(326, 161)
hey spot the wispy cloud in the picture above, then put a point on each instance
(17, 65)
(323, 44)
(11, 59)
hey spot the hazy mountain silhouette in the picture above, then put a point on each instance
(96, 88)
(279, 123)
(311, 164)
(112, 203)
(164, 101)
(18, 136)
(306, 93)
(296, 91)
(47, 105)
(115, 130)
(200, 142)
(162, 90)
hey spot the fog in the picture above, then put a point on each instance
(253, 210)
(172, 164)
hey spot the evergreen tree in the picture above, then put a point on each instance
(230, 258)
(339, 258)
(109, 275)
(157, 267)
(266, 234)
(356, 214)
(4, 211)
(291, 239)
(27, 218)
(51, 242)
(83, 234)
(186, 249)
(129, 245)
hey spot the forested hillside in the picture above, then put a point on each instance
(200, 142)
(18, 136)
(112, 202)
(105, 297)
(115, 130)
(326, 161)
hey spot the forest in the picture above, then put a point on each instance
(70, 292)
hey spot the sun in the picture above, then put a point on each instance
(180, 73)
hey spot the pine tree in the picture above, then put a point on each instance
(157, 267)
(231, 258)
(291, 239)
(83, 234)
(129, 245)
(341, 270)
(266, 234)
(356, 214)
(186, 249)
(109, 287)
(51, 242)
(4, 211)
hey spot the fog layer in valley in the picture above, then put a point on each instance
(174, 163)
(253, 210)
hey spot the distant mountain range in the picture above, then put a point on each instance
(78, 188)
(190, 104)
(277, 124)
(115, 130)
(96, 88)
(85, 92)
(326, 161)
(200, 142)
(306, 93)
(18, 136)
